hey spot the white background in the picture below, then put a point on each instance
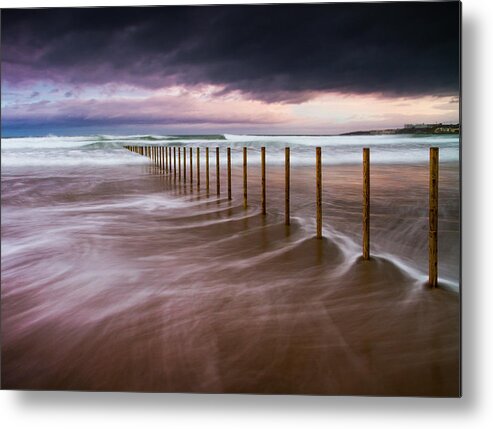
(122, 410)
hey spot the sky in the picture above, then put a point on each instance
(263, 69)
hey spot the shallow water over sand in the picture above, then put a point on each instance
(116, 277)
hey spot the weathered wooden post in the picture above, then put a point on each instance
(229, 172)
(198, 169)
(433, 219)
(263, 199)
(166, 164)
(191, 169)
(319, 190)
(245, 180)
(179, 163)
(174, 163)
(218, 175)
(185, 165)
(207, 170)
(366, 203)
(287, 179)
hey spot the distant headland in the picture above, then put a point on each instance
(412, 129)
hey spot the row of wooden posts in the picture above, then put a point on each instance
(165, 157)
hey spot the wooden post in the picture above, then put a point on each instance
(191, 169)
(179, 163)
(166, 149)
(245, 179)
(287, 179)
(229, 172)
(262, 158)
(218, 175)
(185, 165)
(366, 203)
(319, 191)
(433, 219)
(174, 162)
(207, 170)
(198, 169)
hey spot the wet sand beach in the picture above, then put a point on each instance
(114, 277)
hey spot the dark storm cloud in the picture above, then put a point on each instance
(281, 52)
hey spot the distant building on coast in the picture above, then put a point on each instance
(420, 126)
(437, 128)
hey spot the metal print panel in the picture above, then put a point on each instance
(232, 199)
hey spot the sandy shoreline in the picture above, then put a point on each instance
(145, 285)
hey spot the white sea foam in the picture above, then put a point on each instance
(108, 149)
